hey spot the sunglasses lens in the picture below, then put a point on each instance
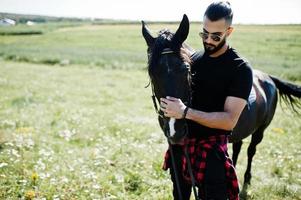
(216, 38)
(204, 36)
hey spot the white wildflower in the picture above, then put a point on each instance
(7, 123)
(29, 143)
(65, 179)
(15, 153)
(119, 178)
(71, 169)
(46, 153)
(9, 144)
(67, 134)
(55, 197)
(41, 165)
(53, 181)
(3, 165)
(96, 186)
(97, 163)
(44, 175)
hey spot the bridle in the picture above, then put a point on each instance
(154, 99)
(158, 111)
(166, 130)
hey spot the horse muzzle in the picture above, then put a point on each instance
(178, 134)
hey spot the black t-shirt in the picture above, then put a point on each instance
(214, 79)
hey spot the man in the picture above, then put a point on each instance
(222, 82)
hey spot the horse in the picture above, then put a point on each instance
(169, 71)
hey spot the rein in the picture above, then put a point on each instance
(159, 113)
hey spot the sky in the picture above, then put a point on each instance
(245, 11)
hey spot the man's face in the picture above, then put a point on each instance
(214, 34)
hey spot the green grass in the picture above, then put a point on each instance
(274, 49)
(116, 143)
(86, 129)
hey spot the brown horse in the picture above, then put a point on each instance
(169, 67)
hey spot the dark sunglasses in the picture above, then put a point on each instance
(213, 36)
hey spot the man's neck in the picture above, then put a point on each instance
(220, 52)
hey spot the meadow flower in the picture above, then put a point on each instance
(67, 134)
(25, 130)
(65, 179)
(71, 169)
(44, 175)
(46, 152)
(119, 178)
(53, 181)
(29, 195)
(3, 165)
(40, 165)
(97, 163)
(278, 130)
(55, 197)
(34, 177)
(22, 181)
(15, 153)
(96, 186)
(8, 123)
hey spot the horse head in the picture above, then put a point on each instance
(169, 71)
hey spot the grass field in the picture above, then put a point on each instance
(77, 123)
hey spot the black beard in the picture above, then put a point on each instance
(218, 47)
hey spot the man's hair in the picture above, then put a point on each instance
(220, 10)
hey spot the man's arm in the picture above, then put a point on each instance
(220, 120)
(225, 120)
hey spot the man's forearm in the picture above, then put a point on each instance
(218, 120)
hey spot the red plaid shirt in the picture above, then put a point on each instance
(197, 151)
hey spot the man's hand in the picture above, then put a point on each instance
(172, 107)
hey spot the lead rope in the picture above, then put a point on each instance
(175, 170)
(192, 176)
(169, 144)
(193, 182)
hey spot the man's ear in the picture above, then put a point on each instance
(229, 31)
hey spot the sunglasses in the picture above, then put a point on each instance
(215, 37)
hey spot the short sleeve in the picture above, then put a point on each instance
(241, 82)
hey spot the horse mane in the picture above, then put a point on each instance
(164, 40)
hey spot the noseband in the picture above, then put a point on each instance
(167, 51)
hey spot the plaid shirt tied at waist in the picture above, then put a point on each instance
(197, 151)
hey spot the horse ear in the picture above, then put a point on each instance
(183, 30)
(147, 35)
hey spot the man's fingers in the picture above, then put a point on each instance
(172, 98)
(162, 103)
(164, 100)
(167, 114)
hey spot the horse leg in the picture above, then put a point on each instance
(256, 139)
(236, 146)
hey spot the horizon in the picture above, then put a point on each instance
(133, 21)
